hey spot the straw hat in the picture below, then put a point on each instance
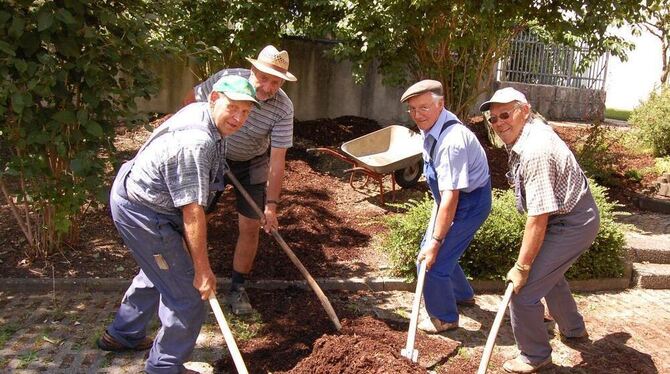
(274, 62)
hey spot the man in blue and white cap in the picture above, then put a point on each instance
(457, 173)
(256, 156)
(158, 202)
(562, 222)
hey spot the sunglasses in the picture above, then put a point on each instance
(503, 116)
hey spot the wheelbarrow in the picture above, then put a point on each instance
(393, 150)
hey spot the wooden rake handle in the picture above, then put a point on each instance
(228, 335)
(275, 234)
(491, 340)
(409, 350)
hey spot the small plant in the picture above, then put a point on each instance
(634, 175)
(594, 155)
(651, 119)
(662, 165)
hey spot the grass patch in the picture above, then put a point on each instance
(26, 359)
(6, 332)
(620, 114)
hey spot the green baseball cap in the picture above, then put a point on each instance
(236, 88)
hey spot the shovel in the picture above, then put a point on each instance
(491, 340)
(310, 280)
(228, 335)
(409, 350)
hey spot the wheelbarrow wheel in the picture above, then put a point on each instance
(408, 176)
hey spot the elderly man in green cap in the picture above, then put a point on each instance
(158, 205)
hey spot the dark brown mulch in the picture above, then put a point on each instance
(297, 337)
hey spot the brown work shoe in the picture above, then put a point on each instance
(107, 343)
(517, 365)
(433, 325)
(580, 338)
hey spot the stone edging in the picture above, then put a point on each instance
(651, 204)
(350, 284)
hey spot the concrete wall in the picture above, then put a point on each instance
(175, 81)
(325, 88)
(563, 103)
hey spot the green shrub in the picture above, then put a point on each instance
(651, 118)
(620, 114)
(496, 244)
(594, 156)
(662, 165)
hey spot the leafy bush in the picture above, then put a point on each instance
(496, 244)
(71, 71)
(651, 118)
(662, 165)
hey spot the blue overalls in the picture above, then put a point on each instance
(164, 284)
(445, 281)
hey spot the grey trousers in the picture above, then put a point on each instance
(566, 238)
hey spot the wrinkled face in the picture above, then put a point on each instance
(229, 115)
(266, 85)
(424, 110)
(508, 120)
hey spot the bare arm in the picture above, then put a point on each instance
(275, 178)
(195, 235)
(533, 236)
(443, 221)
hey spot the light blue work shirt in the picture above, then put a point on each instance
(458, 157)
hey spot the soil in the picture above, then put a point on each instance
(298, 338)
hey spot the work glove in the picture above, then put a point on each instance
(518, 275)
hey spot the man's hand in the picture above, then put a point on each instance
(518, 275)
(205, 282)
(270, 222)
(429, 252)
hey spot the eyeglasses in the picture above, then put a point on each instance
(503, 116)
(423, 109)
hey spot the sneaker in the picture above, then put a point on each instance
(517, 365)
(238, 301)
(433, 325)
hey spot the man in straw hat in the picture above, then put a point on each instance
(562, 223)
(158, 205)
(268, 126)
(457, 173)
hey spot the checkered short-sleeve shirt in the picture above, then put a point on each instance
(545, 171)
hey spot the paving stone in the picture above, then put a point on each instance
(647, 275)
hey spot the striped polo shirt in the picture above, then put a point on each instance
(269, 125)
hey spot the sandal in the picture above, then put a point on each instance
(107, 343)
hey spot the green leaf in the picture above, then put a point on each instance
(20, 65)
(44, 20)
(17, 102)
(17, 26)
(7, 48)
(65, 16)
(68, 47)
(66, 116)
(94, 129)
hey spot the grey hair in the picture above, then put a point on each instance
(436, 97)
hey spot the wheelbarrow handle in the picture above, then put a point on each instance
(491, 340)
(310, 280)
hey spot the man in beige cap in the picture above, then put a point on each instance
(562, 223)
(457, 173)
(269, 126)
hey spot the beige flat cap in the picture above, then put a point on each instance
(426, 85)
